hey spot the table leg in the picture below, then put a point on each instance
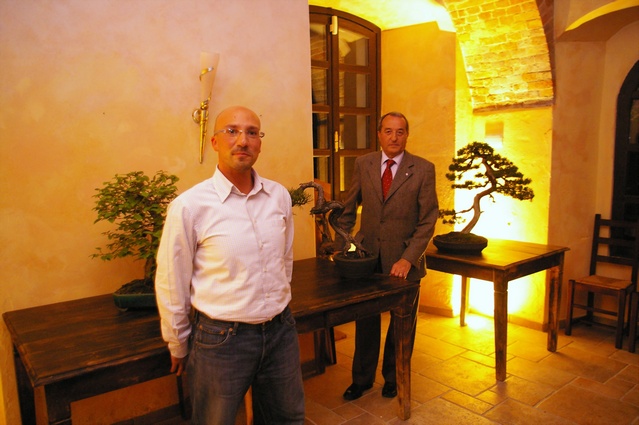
(464, 300)
(501, 325)
(554, 297)
(25, 391)
(404, 320)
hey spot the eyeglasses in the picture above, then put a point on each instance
(234, 133)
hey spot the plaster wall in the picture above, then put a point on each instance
(436, 103)
(91, 89)
(428, 102)
(589, 76)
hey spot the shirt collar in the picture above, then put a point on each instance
(224, 187)
(397, 159)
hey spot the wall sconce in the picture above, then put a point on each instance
(208, 64)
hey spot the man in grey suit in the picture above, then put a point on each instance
(396, 227)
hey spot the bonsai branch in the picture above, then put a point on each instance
(329, 212)
(499, 175)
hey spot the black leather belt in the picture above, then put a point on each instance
(199, 316)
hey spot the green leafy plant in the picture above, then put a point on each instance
(136, 204)
(494, 174)
(299, 197)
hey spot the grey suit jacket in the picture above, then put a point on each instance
(403, 224)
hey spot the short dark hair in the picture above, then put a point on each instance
(392, 114)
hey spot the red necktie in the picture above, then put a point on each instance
(387, 177)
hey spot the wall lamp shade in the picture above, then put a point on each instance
(208, 69)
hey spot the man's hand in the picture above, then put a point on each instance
(401, 268)
(178, 365)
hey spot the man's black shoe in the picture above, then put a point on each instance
(389, 390)
(355, 391)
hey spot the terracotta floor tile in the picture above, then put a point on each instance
(586, 407)
(512, 412)
(442, 412)
(365, 419)
(349, 411)
(436, 348)
(471, 403)
(463, 375)
(584, 363)
(321, 415)
(519, 389)
(537, 372)
(614, 388)
(424, 389)
(632, 397)
(534, 351)
(630, 373)
(587, 381)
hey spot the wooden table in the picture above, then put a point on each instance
(77, 349)
(500, 262)
(321, 299)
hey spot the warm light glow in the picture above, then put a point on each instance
(389, 15)
(478, 323)
(481, 295)
(456, 295)
(501, 218)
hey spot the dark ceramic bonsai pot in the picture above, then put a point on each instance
(354, 267)
(460, 243)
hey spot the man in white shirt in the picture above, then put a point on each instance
(226, 253)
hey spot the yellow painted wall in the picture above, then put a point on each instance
(589, 75)
(93, 88)
(418, 79)
(438, 128)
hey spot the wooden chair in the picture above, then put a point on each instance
(614, 242)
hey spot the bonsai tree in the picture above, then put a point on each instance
(328, 213)
(137, 205)
(495, 174)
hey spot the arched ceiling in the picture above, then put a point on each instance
(511, 40)
(393, 14)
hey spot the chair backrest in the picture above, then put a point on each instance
(616, 242)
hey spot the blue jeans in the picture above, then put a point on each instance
(227, 358)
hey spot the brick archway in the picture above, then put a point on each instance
(506, 51)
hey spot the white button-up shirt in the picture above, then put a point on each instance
(227, 254)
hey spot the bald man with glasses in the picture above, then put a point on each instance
(226, 260)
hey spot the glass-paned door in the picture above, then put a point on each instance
(345, 81)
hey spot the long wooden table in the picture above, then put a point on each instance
(72, 350)
(500, 262)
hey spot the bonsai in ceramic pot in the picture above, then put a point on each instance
(136, 204)
(352, 261)
(478, 167)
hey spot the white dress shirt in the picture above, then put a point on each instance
(227, 254)
(394, 167)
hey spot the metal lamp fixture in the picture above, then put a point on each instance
(208, 64)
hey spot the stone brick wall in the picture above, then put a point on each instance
(505, 50)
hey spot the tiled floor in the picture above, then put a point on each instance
(587, 381)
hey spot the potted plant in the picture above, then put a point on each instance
(136, 204)
(489, 173)
(352, 261)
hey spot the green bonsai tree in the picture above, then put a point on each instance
(136, 204)
(495, 174)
